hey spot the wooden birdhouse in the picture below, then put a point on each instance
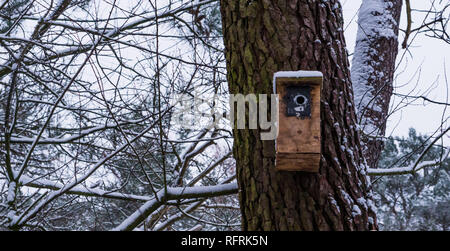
(298, 145)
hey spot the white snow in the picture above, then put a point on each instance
(371, 205)
(375, 21)
(173, 193)
(294, 74)
(361, 201)
(11, 191)
(53, 185)
(347, 197)
(356, 211)
(333, 201)
(410, 168)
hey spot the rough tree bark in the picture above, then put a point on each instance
(262, 37)
(373, 68)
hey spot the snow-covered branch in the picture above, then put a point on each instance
(84, 101)
(172, 193)
(407, 169)
(167, 12)
(418, 164)
(81, 190)
(70, 139)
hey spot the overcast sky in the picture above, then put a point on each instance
(428, 56)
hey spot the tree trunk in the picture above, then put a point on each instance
(262, 37)
(373, 68)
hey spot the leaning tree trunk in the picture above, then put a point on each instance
(373, 68)
(262, 37)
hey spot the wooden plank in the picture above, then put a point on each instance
(305, 162)
(299, 135)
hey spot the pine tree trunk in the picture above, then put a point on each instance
(262, 37)
(373, 70)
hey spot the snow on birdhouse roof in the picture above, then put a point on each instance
(295, 74)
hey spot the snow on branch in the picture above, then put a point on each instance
(79, 190)
(174, 193)
(65, 140)
(417, 165)
(408, 169)
(104, 37)
(21, 220)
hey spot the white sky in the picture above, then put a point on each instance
(427, 55)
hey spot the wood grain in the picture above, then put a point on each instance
(298, 145)
(305, 162)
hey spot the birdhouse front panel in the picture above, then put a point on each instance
(298, 145)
